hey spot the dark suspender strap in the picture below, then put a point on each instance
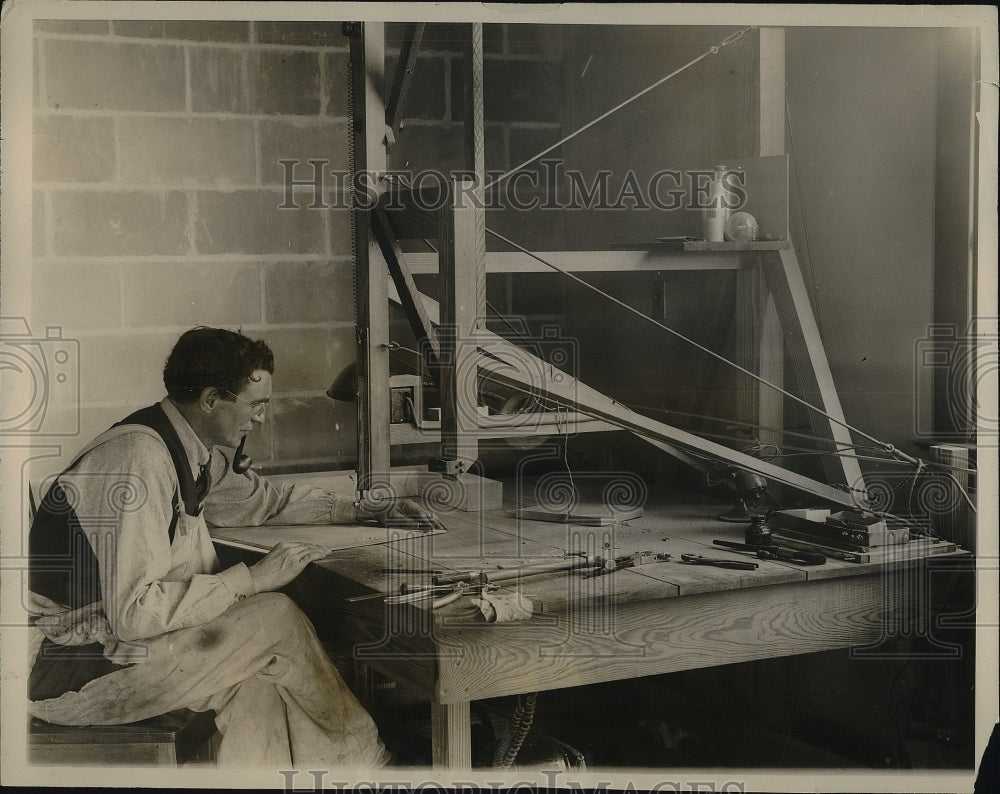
(56, 530)
(154, 418)
(62, 564)
(175, 507)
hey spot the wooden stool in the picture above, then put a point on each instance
(169, 740)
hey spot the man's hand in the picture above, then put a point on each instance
(283, 563)
(409, 514)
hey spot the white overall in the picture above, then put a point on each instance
(278, 699)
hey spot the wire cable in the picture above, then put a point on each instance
(713, 50)
(763, 381)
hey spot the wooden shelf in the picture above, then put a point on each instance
(702, 246)
(638, 259)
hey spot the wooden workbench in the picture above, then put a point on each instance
(654, 618)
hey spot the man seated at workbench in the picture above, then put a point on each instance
(135, 617)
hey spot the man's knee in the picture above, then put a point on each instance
(277, 604)
(277, 611)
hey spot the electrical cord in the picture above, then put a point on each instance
(565, 448)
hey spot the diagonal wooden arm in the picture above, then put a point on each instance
(407, 294)
(503, 363)
(404, 75)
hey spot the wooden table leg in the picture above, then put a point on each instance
(451, 736)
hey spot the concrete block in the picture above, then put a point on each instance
(124, 368)
(93, 223)
(218, 81)
(187, 29)
(91, 421)
(73, 27)
(94, 74)
(176, 151)
(494, 38)
(438, 36)
(425, 98)
(308, 358)
(447, 37)
(284, 83)
(440, 148)
(303, 140)
(436, 147)
(76, 296)
(495, 145)
(340, 228)
(545, 41)
(251, 222)
(39, 224)
(514, 91)
(72, 148)
(314, 428)
(527, 142)
(309, 34)
(188, 294)
(337, 86)
(36, 59)
(538, 293)
(309, 292)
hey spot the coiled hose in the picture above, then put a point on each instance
(516, 731)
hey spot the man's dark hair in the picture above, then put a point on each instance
(213, 357)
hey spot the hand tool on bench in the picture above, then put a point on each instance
(698, 559)
(504, 574)
(775, 552)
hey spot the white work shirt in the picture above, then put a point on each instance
(123, 491)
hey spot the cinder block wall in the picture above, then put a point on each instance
(157, 198)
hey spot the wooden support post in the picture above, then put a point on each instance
(805, 346)
(771, 92)
(371, 295)
(760, 348)
(451, 736)
(462, 256)
(766, 406)
(457, 334)
(407, 293)
(475, 162)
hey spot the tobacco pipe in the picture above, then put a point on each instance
(241, 462)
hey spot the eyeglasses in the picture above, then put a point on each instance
(259, 406)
